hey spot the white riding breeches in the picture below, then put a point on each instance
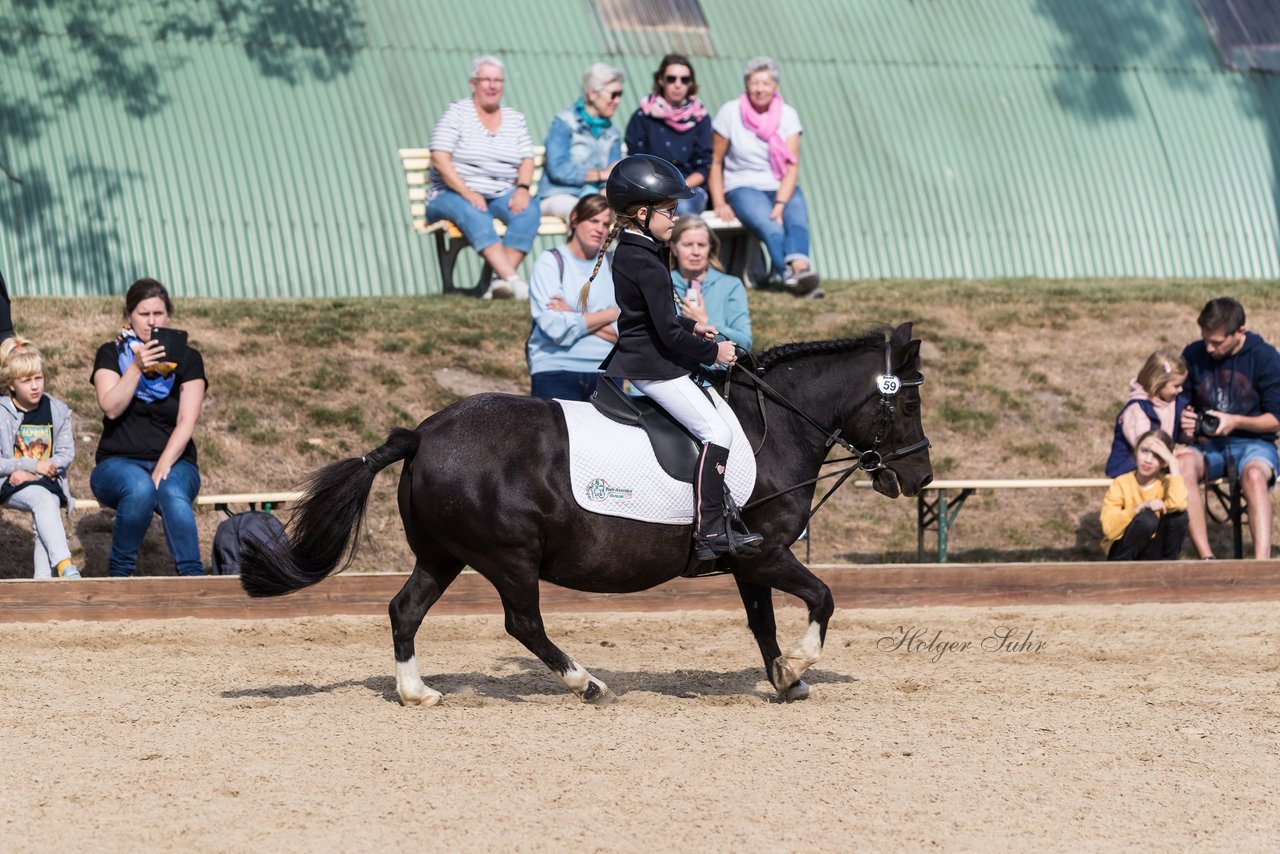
(687, 404)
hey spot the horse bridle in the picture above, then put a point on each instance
(872, 460)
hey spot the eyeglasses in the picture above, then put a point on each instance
(614, 95)
(496, 81)
(686, 79)
(669, 213)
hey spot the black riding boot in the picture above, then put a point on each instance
(715, 535)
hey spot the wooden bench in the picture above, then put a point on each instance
(268, 500)
(939, 503)
(740, 253)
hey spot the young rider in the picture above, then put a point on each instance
(659, 351)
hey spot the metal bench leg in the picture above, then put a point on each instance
(447, 249)
(1236, 512)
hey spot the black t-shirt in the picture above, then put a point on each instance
(34, 441)
(6, 319)
(143, 429)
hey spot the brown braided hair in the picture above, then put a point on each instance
(623, 220)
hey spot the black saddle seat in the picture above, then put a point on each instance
(674, 446)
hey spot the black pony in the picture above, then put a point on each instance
(486, 484)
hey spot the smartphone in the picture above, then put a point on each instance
(174, 342)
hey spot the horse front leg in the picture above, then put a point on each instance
(426, 584)
(781, 570)
(758, 601)
(524, 623)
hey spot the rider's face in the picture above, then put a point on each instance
(663, 221)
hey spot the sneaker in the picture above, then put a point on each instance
(70, 572)
(816, 293)
(804, 283)
(519, 288)
(498, 289)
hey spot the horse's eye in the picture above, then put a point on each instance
(911, 407)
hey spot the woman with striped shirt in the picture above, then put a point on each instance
(481, 168)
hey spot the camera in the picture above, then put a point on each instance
(1207, 424)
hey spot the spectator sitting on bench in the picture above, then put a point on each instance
(1155, 403)
(481, 168)
(1233, 379)
(36, 449)
(566, 346)
(755, 173)
(146, 461)
(672, 124)
(582, 144)
(706, 293)
(1144, 514)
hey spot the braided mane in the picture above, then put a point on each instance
(786, 352)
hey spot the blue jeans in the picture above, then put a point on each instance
(1243, 450)
(477, 225)
(695, 204)
(563, 385)
(125, 485)
(784, 243)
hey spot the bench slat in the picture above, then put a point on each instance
(214, 500)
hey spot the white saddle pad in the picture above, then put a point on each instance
(613, 470)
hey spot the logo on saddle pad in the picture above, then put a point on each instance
(600, 490)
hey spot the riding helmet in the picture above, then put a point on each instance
(643, 179)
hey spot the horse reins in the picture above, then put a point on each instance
(869, 461)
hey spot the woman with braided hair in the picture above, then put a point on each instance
(660, 351)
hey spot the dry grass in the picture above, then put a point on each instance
(1024, 379)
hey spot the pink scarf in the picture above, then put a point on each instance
(679, 119)
(765, 125)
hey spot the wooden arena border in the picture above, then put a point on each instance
(874, 586)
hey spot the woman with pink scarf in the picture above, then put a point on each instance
(755, 171)
(672, 124)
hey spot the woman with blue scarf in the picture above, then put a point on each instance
(146, 461)
(582, 144)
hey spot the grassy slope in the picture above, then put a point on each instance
(1024, 379)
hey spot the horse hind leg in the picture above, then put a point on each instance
(524, 623)
(407, 609)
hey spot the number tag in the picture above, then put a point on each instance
(889, 385)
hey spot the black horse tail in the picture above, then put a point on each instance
(323, 523)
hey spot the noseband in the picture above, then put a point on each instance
(871, 460)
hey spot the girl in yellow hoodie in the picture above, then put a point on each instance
(1144, 514)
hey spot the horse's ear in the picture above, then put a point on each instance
(909, 357)
(900, 336)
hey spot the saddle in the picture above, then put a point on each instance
(674, 446)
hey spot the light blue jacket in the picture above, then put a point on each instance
(64, 442)
(559, 340)
(572, 152)
(725, 298)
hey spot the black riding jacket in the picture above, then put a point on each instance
(654, 343)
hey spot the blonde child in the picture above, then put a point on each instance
(1154, 404)
(1144, 516)
(36, 449)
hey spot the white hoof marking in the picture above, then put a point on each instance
(409, 685)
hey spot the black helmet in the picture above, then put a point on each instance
(643, 179)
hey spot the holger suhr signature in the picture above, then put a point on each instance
(919, 639)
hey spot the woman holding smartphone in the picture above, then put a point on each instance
(146, 460)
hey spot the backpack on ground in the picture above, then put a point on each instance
(234, 531)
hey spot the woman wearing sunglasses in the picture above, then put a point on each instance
(582, 144)
(672, 124)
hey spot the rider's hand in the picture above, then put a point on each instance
(706, 330)
(727, 354)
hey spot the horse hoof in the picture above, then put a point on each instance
(430, 698)
(782, 676)
(599, 695)
(798, 690)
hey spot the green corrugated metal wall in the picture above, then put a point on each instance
(255, 153)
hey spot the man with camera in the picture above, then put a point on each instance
(1233, 380)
